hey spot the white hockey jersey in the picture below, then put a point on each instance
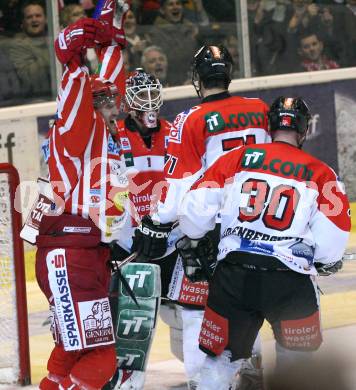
(202, 134)
(274, 200)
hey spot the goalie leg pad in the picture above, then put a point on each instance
(135, 326)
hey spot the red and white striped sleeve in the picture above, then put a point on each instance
(112, 67)
(75, 110)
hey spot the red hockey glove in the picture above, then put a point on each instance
(114, 13)
(77, 37)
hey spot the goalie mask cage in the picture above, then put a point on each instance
(14, 342)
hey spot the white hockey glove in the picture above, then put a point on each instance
(328, 269)
(198, 256)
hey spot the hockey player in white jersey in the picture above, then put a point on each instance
(198, 137)
(284, 216)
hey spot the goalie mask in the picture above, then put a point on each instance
(289, 114)
(104, 92)
(143, 97)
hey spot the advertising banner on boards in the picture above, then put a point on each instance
(332, 131)
(321, 140)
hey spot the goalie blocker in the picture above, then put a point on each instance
(135, 325)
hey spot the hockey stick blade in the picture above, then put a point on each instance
(349, 256)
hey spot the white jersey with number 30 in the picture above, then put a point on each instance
(274, 200)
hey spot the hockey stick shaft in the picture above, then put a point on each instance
(351, 256)
(127, 260)
(98, 8)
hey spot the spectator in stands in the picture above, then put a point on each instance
(299, 16)
(155, 62)
(311, 53)
(29, 52)
(173, 30)
(213, 33)
(9, 83)
(266, 41)
(195, 12)
(350, 23)
(302, 14)
(289, 20)
(88, 5)
(232, 44)
(278, 9)
(332, 30)
(10, 21)
(128, 65)
(135, 42)
(221, 10)
(148, 10)
(71, 13)
(351, 5)
(172, 12)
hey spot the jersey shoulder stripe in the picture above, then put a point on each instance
(176, 131)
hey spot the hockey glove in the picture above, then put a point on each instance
(328, 269)
(114, 13)
(198, 256)
(150, 239)
(77, 37)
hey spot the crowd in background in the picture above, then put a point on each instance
(285, 36)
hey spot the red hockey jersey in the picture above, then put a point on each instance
(143, 167)
(274, 200)
(82, 155)
(202, 134)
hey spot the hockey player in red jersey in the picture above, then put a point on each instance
(284, 217)
(199, 136)
(142, 138)
(71, 263)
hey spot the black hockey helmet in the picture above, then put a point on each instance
(289, 114)
(211, 63)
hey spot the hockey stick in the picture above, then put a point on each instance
(98, 8)
(349, 256)
(128, 259)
